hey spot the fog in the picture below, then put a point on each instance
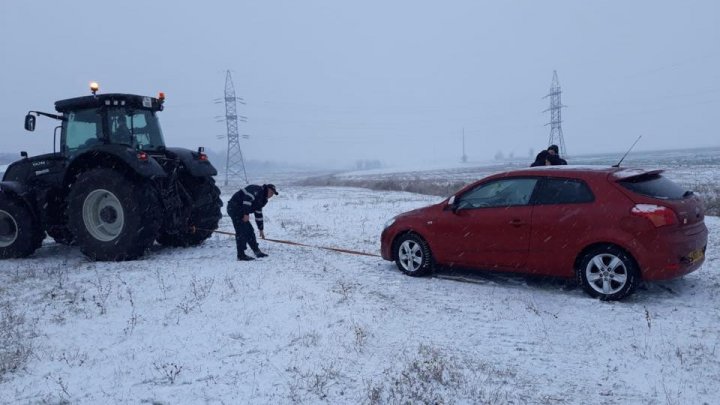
(328, 83)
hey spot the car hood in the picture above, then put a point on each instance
(419, 211)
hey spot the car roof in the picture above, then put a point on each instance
(580, 171)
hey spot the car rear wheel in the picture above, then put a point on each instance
(608, 272)
(413, 256)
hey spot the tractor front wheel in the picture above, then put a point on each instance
(20, 235)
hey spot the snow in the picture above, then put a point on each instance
(690, 167)
(308, 325)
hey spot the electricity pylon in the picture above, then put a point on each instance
(556, 134)
(234, 164)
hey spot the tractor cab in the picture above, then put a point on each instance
(107, 119)
(117, 119)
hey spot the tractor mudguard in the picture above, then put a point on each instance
(116, 155)
(13, 188)
(18, 191)
(18, 171)
(191, 161)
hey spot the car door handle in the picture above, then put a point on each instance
(517, 222)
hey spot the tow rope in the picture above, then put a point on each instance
(288, 242)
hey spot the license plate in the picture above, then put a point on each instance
(696, 255)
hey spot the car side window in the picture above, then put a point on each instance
(563, 191)
(498, 193)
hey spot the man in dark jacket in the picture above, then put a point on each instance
(549, 157)
(250, 199)
(554, 157)
(541, 159)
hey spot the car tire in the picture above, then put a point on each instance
(413, 256)
(112, 217)
(608, 273)
(204, 217)
(20, 235)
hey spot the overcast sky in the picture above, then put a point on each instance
(335, 81)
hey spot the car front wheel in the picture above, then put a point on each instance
(412, 255)
(608, 273)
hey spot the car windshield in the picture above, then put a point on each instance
(138, 128)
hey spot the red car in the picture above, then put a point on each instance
(610, 227)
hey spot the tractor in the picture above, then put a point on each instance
(113, 188)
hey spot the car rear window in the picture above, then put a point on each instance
(654, 185)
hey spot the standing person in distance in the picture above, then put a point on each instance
(541, 159)
(554, 156)
(249, 200)
(549, 157)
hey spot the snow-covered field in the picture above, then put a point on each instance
(311, 326)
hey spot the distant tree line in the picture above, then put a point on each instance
(368, 164)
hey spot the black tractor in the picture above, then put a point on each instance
(113, 188)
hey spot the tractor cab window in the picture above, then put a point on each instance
(82, 129)
(137, 128)
(119, 125)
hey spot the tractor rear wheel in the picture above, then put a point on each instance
(204, 215)
(112, 217)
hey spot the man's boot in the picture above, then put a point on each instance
(259, 253)
(243, 257)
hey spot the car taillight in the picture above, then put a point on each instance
(142, 156)
(657, 214)
(203, 157)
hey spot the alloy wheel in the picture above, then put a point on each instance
(606, 274)
(410, 255)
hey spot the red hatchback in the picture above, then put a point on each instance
(609, 227)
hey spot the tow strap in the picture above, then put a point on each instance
(352, 252)
(287, 242)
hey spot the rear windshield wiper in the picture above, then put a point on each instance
(688, 194)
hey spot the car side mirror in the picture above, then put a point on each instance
(30, 122)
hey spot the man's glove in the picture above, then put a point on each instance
(246, 218)
(262, 234)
